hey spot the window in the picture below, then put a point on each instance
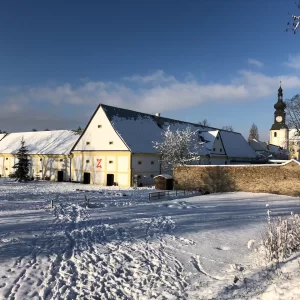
(214, 149)
(87, 143)
(41, 159)
(221, 149)
(275, 134)
(218, 138)
(99, 126)
(87, 161)
(6, 158)
(40, 171)
(6, 169)
(139, 176)
(111, 161)
(111, 142)
(152, 162)
(152, 176)
(61, 159)
(139, 162)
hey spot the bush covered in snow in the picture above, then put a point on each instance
(282, 237)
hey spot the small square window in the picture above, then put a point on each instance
(87, 161)
(40, 171)
(214, 149)
(139, 176)
(99, 126)
(139, 162)
(6, 169)
(111, 161)
(152, 162)
(87, 143)
(218, 138)
(41, 159)
(6, 158)
(61, 159)
(221, 149)
(152, 176)
(111, 142)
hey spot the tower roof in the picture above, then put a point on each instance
(280, 105)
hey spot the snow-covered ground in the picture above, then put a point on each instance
(123, 247)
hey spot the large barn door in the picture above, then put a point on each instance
(60, 176)
(86, 178)
(110, 179)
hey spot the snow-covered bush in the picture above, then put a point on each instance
(282, 237)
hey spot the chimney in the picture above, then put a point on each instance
(157, 114)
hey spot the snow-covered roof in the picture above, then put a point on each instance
(139, 130)
(208, 137)
(2, 135)
(40, 142)
(235, 145)
(264, 146)
(257, 145)
(166, 176)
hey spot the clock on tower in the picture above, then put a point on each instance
(279, 114)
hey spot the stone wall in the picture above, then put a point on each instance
(279, 179)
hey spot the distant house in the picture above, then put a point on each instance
(116, 148)
(49, 153)
(268, 151)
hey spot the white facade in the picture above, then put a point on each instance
(279, 138)
(100, 135)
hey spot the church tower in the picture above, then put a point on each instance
(279, 133)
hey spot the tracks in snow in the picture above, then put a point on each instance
(80, 259)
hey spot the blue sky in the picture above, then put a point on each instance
(187, 59)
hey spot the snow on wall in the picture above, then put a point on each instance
(40, 142)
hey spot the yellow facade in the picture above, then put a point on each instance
(101, 163)
(42, 166)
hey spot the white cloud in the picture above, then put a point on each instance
(255, 62)
(174, 94)
(293, 61)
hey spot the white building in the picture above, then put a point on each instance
(115, 147)
(49, 153)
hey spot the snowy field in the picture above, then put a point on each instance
(123, 247)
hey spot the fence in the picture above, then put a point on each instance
(165, 194)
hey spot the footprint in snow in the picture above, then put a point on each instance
(224, 248)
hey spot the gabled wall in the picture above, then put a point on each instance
(100, 135)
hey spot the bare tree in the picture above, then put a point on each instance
(253, 134)
(293, 113)
(296, 20)
(204, 122)
(228, 128)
